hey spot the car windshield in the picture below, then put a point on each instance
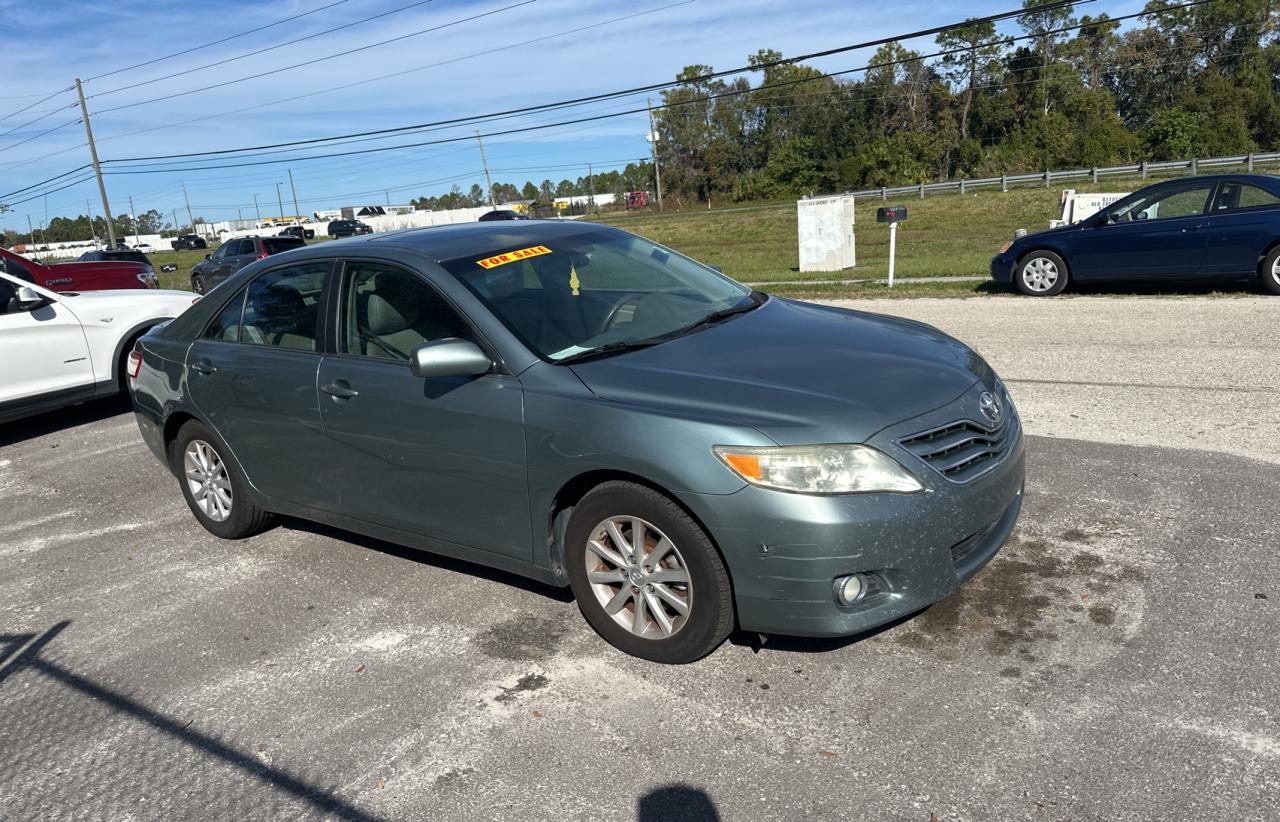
(602, 289)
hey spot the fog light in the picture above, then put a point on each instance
(850, 589)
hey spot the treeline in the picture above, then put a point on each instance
(1199, 81)
(72, 229)
(634, 177)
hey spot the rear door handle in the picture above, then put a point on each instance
(340, 390)
(203, 366)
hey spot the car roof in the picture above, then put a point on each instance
(1267, 181)
(449, 242)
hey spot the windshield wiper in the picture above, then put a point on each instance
(756, 298)
(610, 348)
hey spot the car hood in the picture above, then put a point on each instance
(797, 372)
(125, 304)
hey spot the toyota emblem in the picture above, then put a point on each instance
(989, 405)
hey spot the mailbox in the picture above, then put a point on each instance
(891, 214)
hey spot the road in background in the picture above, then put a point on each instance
(1115, 661)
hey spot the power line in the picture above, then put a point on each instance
(263, 50)
(626, 92)
(217, 42)
(42, 182)
(330, 89)
(36, 103)
(324, 58)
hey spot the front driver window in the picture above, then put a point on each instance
(387, 312)
(1164, 205)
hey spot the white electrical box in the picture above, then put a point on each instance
(826, 233)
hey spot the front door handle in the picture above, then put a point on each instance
(203, 366)
(340, 390)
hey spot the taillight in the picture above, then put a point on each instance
(135, 364)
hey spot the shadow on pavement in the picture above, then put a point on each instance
(460, 566)
(677, 803)
(273, 778)
(49, 422)
(812, 645)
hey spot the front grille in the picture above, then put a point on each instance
(962, 450)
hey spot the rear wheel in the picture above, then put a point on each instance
(646, 576)
(1271, 271)
(1041, 274)
(214, 492)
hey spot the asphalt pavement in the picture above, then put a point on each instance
(1117, 660)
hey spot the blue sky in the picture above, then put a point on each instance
(466, 68)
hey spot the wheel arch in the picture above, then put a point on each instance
(1062, 255)
(1262, 258)
(126, 343)
(577, 487)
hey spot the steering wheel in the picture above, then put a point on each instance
(611, 315)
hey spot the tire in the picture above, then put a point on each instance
(227, 512)
(197, 284)
(689, 573)
(1041, 274)
(1271, 271)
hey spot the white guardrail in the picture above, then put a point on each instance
(1249, 162)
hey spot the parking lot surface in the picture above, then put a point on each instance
(1117, 660)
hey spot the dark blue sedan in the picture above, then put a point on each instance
(1216, 227)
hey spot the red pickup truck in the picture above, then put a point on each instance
(77, 276)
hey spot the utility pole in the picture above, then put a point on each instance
(97, 168)
(176, 224)
(133, 215)
(32, 233)
(187, 200)
(279, 202)
(239, 218)
(653, 143)
(591, 189)
(484, 162)
(256, 208)
(296, 212)
(387, 192)
(93, 231)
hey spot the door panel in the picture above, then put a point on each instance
(1162, 235)
(1242, 223)
(41, 351)
(441, 457)
(255, 382)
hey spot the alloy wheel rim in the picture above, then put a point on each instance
(1275, 271)
(639, 577)
(1040, 274)
(207, 480)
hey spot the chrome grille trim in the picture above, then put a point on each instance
(964, 450)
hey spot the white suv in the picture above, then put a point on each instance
(59, 349)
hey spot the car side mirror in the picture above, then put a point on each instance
(208, 256)
(29, 299)
(450, 357)
(1141, 215)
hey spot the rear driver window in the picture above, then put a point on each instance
(226, 326)
(282, 307)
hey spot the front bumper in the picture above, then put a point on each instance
(1002, 267)
(784, 550)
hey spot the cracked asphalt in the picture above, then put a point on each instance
(1117, 660)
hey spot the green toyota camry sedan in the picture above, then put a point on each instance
(580, 405)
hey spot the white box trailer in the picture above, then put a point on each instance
(826, 233)
(1077, 207)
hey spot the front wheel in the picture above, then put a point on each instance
(214, 492)
(1271, 271)
(646, 576)
(1041, 274)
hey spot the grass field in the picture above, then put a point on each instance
(945, 235)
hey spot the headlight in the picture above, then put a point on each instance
(819, 469)
(1005, 247)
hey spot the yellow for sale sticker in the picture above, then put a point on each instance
(512, 256)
